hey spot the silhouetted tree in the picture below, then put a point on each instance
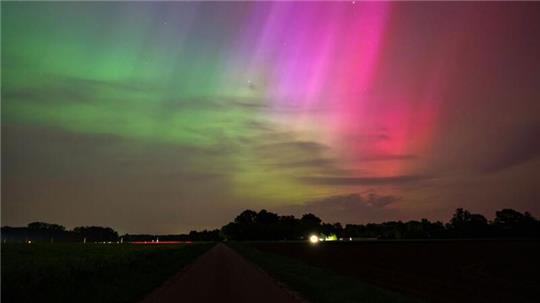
(328, 229)
(205, 235)
(266, 217)
(37, 232)
(509, 222)
(232, 231)
(46, 232)
(246, 217)
(465, 224)
(434, 230)
(96, 233)
(267, 225)
(309, 223)
(45, 226)
(289, 228)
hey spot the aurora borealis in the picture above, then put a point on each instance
(168, 116)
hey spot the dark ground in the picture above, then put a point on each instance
(87, 273)
(439, 271)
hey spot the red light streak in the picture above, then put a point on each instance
(160, 242)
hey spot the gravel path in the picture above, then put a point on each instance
(221, 275)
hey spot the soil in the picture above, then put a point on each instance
(439, 271)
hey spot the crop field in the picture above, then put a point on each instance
(89, 272)
(437, 270)
(316, 284)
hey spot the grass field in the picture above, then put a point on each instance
(316, 284)
(436, 270)
(89, 272)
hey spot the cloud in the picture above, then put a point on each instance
(370, 137)
(76, 179)
(304, 146)
(58, 89)
(261, 125)
(345, 181)
(287, 151)
(317, 162)
(351, 208)
(387, 157)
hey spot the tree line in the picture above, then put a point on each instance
(267, 226)
(46, 232)
(264, 225)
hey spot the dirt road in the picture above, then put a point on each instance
(221, 275)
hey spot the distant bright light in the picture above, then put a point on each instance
(331, 237)
(313, 239)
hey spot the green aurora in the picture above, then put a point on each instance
(177, 115)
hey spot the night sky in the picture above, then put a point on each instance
(166, 117)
